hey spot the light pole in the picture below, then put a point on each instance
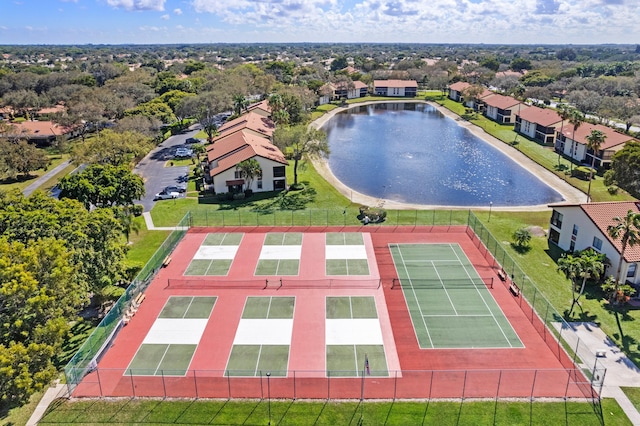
(269, 396)
(490, 206)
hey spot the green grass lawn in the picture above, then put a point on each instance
(300, 413)
(21, 183)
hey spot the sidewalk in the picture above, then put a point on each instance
(50, 395)
(45, 177)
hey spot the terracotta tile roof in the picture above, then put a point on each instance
(459, 86)
(501, 101)
(250, 120)
(52, 110)
(613, 138)
(395, 83)
(40, 129)
(356, 85)
(602, 215)
(238, 147)
(263, 105)
(543, 116)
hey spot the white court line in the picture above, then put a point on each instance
(489, 309)
(187, 310)
(161, 359)
(453, 306)
(414, 295)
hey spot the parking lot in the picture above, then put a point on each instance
(156, 176)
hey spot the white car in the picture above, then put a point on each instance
(183, 152)
(164, 195)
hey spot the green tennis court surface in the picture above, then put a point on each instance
(345, 254)
(353, 337)
(169, 345)
(449, 304)
(215, 255)
(263, 338)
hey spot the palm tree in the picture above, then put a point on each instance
(522, 237)
(569, 265)
(594, 142)
(564, 111)
(249, 169)
(627, 229)
(128, 222)
(575, 118)
(304, 143)
(240, 103)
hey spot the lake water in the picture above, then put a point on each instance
(410, 152)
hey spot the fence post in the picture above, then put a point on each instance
(533, 384)
(195, 383)
(294, 385)
(395, 385)
(228, 385)
(164, 385)
(133, 387)
(328, 385)
(99, 383)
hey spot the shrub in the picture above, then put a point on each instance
(238, 196)
(137, 209)
(375, 215)
(613, 190)
(581, 172)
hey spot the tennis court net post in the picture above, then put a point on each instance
(473, 283)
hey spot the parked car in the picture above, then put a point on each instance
(180, 189)
(164, 195)
(192, 140)
(183, 152)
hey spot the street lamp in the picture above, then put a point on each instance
(490, 206)
(269, 396)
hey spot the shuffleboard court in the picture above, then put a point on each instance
(215, 255)
(449, 303)
(170, 343)
(353, 337)
(345, 254)
(263, 337)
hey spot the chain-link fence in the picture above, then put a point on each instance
(87, 356)
(551, 326)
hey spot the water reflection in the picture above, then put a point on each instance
(410, 152)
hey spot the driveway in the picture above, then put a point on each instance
(152, 168)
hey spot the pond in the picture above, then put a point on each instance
(412, 153)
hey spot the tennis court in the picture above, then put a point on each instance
(450, 305)
(169, 345)
(280, 254)
(345, 254)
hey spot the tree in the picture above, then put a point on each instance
(522, 238)
(240, 103)
(110, 147)
(339, 63)
(588, 264)
(594, 141)
(21, 158)
(575, 118)
(625, 169)
(304, 143)
(103, 186)
(249, 170)
(627, 229)
(128, 222)
(564, 111)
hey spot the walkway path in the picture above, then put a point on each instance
(148, 220)
(45, 177)
(595, 348)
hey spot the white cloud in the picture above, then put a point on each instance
(177, 11)
(138, 4)
(165, 17)
(151, 28)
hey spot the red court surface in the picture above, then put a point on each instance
(540, 369)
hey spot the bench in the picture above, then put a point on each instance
(166, 261)
(514, 289)
(502, 276)
(139, 300)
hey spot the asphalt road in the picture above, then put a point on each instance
(152, 168)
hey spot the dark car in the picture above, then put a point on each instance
(192, 140)
(180, 189)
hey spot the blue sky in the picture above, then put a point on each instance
(230, 21)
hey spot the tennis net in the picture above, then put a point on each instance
(274, 283)
(471, 283)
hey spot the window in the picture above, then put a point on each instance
(631, 272)
(237, 174)
(278, 171)
(597, 243)
(575, 230)
(260, 182)
(556, 219)
(554, 236)
(572, 246)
